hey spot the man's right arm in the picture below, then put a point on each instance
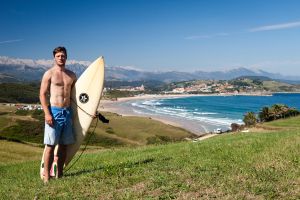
(45, 84)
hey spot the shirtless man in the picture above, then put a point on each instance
(58, 81)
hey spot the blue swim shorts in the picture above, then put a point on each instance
(62, 130)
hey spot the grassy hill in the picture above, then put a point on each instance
(24, 92)
(279, 86)
(6, 78)
(260, 165)
(265, 83)
(19, 92)
(28, 126)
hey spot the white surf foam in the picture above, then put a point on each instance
(155, 107)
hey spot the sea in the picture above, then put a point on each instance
(205, 114)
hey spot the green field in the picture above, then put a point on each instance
(135, 131)
(19, 92)
(292, 123)
(27, 126)
(263, 165)
(13, 152)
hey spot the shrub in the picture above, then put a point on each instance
(250, 119)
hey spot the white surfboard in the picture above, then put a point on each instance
(85, 99)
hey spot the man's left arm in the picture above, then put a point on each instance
(74, 80)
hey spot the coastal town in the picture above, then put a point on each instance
(215, 87)
(240, 86)
(20, 106)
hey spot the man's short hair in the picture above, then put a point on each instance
(59, 49)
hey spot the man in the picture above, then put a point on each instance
(58, 82)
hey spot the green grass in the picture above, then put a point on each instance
(12, 152)
(232, 166)
(27, 131)
(21, 126)
(263, 165)
(6, 120)
(3, 122)
(28, 126)
(132, 131)
(292, 122)
(278, 86)
(19, 92)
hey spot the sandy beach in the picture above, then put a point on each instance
(141, 106)
(123, 107)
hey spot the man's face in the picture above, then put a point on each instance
(60, 58)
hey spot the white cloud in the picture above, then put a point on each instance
(10, 41)
(288, 25)
(128, 68)
(36, 63)
(285, 67)
(71, 62)
(276, 27)
(18, 61)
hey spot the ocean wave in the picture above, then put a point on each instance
(151, 107)
(215, 111)
(205, 113)
(193, 117)
(152, 103)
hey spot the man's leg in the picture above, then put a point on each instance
(61, 159)
(48, 159)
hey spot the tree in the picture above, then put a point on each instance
(278, 110)
(250, 119)
(264, 114)
(235, 127)
(291, 112)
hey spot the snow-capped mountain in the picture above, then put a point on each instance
(14, 69)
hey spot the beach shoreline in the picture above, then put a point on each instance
(194, 120)
(123, 107)
(168, 96)
(116, 107)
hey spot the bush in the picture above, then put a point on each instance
(250, 119)
(27, 131)
(22, 112)
(158, 139)
(38, 114)
(153, 140)
(235, 127)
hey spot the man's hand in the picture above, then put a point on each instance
(102, 118)
(49, 120)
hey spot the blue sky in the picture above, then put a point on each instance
(182, 35)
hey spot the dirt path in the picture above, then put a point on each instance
(205, 137)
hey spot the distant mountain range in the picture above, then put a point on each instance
(18, 70)
(117, 73)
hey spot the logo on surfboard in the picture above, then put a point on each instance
(83, 98)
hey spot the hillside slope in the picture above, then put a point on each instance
(28, 126)
(263, 165)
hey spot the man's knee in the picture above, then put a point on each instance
(50, 148)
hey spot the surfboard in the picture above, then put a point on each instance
(85, 98)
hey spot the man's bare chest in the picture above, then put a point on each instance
(61, 80)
